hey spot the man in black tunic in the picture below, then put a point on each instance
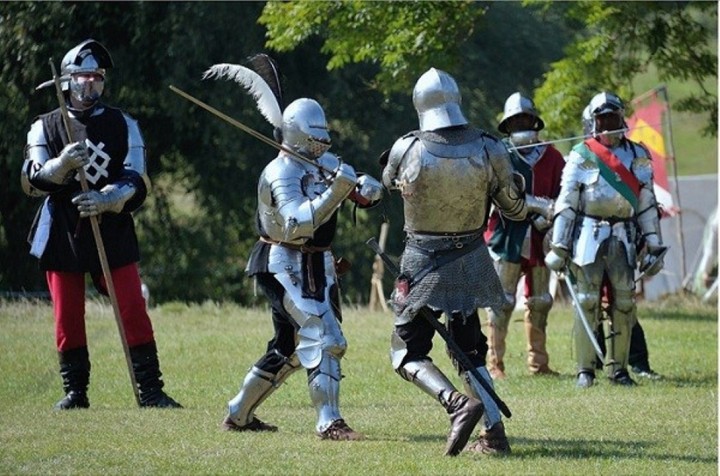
(111, 150)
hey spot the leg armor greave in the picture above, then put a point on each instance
(430, 379)
(509, 274)
(492, 413)
(622, 320)
(536, 313)
(324, 386)
(588, 278)
(257, 386)
(584, 350)
(498, 320)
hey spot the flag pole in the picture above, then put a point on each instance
(662, 89)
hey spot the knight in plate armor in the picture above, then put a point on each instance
(606, 221)
(110, 148)
(294, 266)
(518, 246)
(448, 174)
(639, 357)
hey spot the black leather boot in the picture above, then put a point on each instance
(465, 412)
(75, 373)
(149, 378)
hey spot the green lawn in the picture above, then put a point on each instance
(664, 427)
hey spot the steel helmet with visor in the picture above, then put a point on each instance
(608, 118)
(304, 128)
(83, 71)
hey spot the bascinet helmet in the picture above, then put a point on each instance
(515, 105)
(612, 110)
(437, 101)
(304, 128)
(89, 57)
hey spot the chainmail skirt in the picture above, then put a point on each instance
(460, 286)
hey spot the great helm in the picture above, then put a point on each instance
(607, 103)
(437, 101)
(515, 105)
(304, 128)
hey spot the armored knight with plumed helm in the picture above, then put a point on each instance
(606, 219)
(518, 247)
(299, 194)
(448, 174)
(110, 148)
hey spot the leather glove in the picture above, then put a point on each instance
(557, 259)
(110, 199)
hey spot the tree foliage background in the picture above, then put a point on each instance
(359, 59)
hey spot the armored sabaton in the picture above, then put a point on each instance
(601, 229)
(297, 218)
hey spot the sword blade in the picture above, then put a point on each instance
(581, 316)
(246, 129)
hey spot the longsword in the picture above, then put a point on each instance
(569, 280)
(248, 130)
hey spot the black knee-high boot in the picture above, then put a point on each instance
(149, 378)
(75, 373)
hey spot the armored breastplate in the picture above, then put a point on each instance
(599, 196)
(444, 185)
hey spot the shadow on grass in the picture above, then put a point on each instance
(599, 449)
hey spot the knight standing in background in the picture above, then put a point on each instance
(448, 173)
(111, 150)
(639, 357)
(605, 214)
(518, 246)
(294, 266)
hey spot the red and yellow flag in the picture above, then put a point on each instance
(647, 125)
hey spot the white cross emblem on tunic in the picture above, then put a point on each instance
(99, 161)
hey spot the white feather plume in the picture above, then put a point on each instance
(254, 84)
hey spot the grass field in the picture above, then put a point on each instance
(663, 427)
